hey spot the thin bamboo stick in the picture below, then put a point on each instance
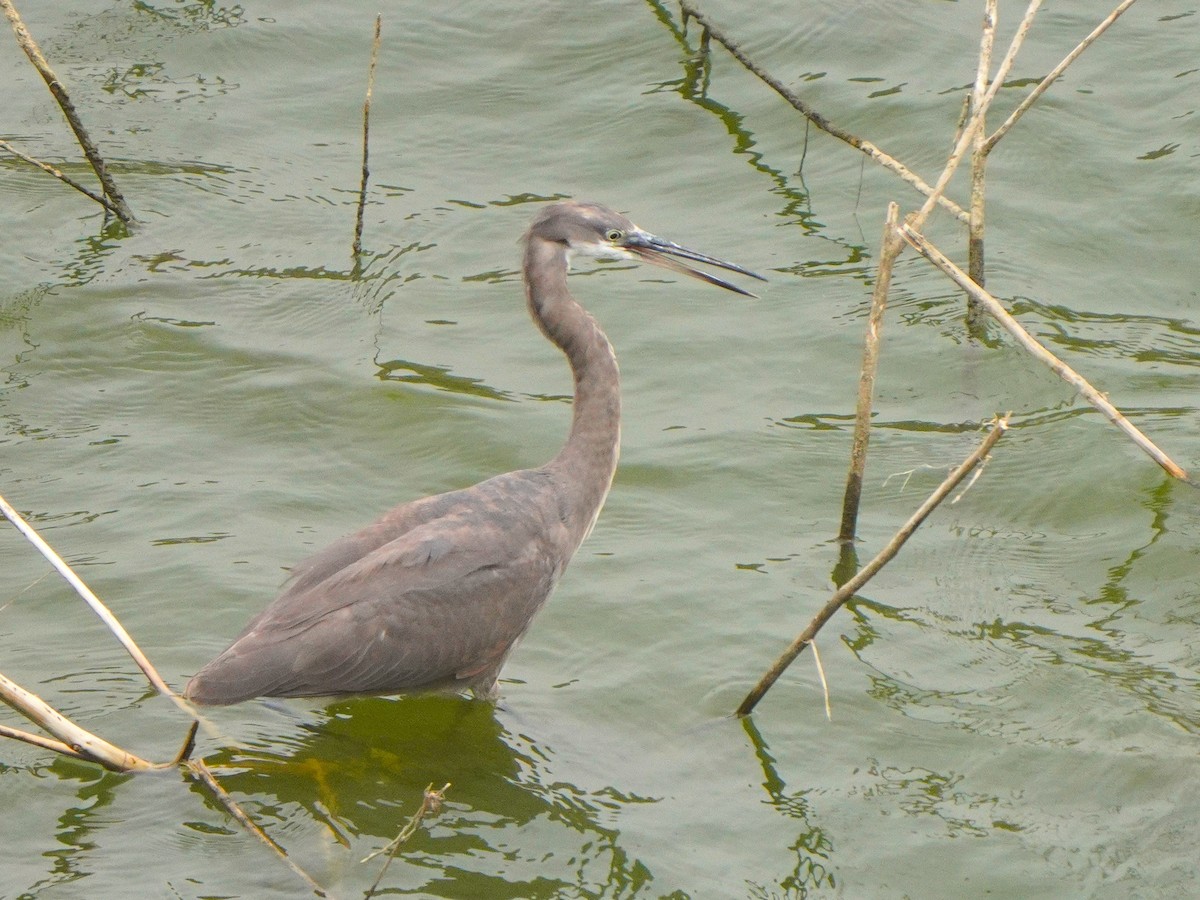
(851, 587)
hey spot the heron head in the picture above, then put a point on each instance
(593, 230)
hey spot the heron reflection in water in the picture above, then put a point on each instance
(435, 594)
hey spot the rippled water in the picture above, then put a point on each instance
(190, 409)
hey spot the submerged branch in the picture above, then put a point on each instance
(431, 803)
(975, 227)
(206, 779)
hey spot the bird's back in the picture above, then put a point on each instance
(433, 595)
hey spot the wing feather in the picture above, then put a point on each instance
(441, 601)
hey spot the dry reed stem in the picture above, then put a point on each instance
(44, 743)
(987, 40)
(971, 483)
(890, 247)
(206, 778)
(58, 747)
(1018, 39)
(967, 136)
(95, 603)
(865, 146)
(975, 228)
(73, 740)
(851, 587)
(1045, 83)
(366, 172)
(82, 743)
(963, 114)
(431, 803)
(29, 45)
(824, 683)
(1038, 351)
(66, 179)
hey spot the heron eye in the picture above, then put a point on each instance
(614, 234)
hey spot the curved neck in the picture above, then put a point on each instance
(588, 460)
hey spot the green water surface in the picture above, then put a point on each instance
(187, 410)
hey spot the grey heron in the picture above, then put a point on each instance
(435, 594)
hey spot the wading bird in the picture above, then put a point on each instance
(436, 593)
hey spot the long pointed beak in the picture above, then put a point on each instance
(653, 249)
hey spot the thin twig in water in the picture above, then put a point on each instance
(975, 122)
(117, 761)
(66, 179)
(366, 172)
(891, 245)
(71, 739)
(889, 251)
(27, 587)
(29, 45)
(431, 803)
(970, 481)
(94, 602)
(865, 146)
(966, 138)
(851, 587)
(1030, 344)
(908, 474)
(824, 683)
(1014, 46)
